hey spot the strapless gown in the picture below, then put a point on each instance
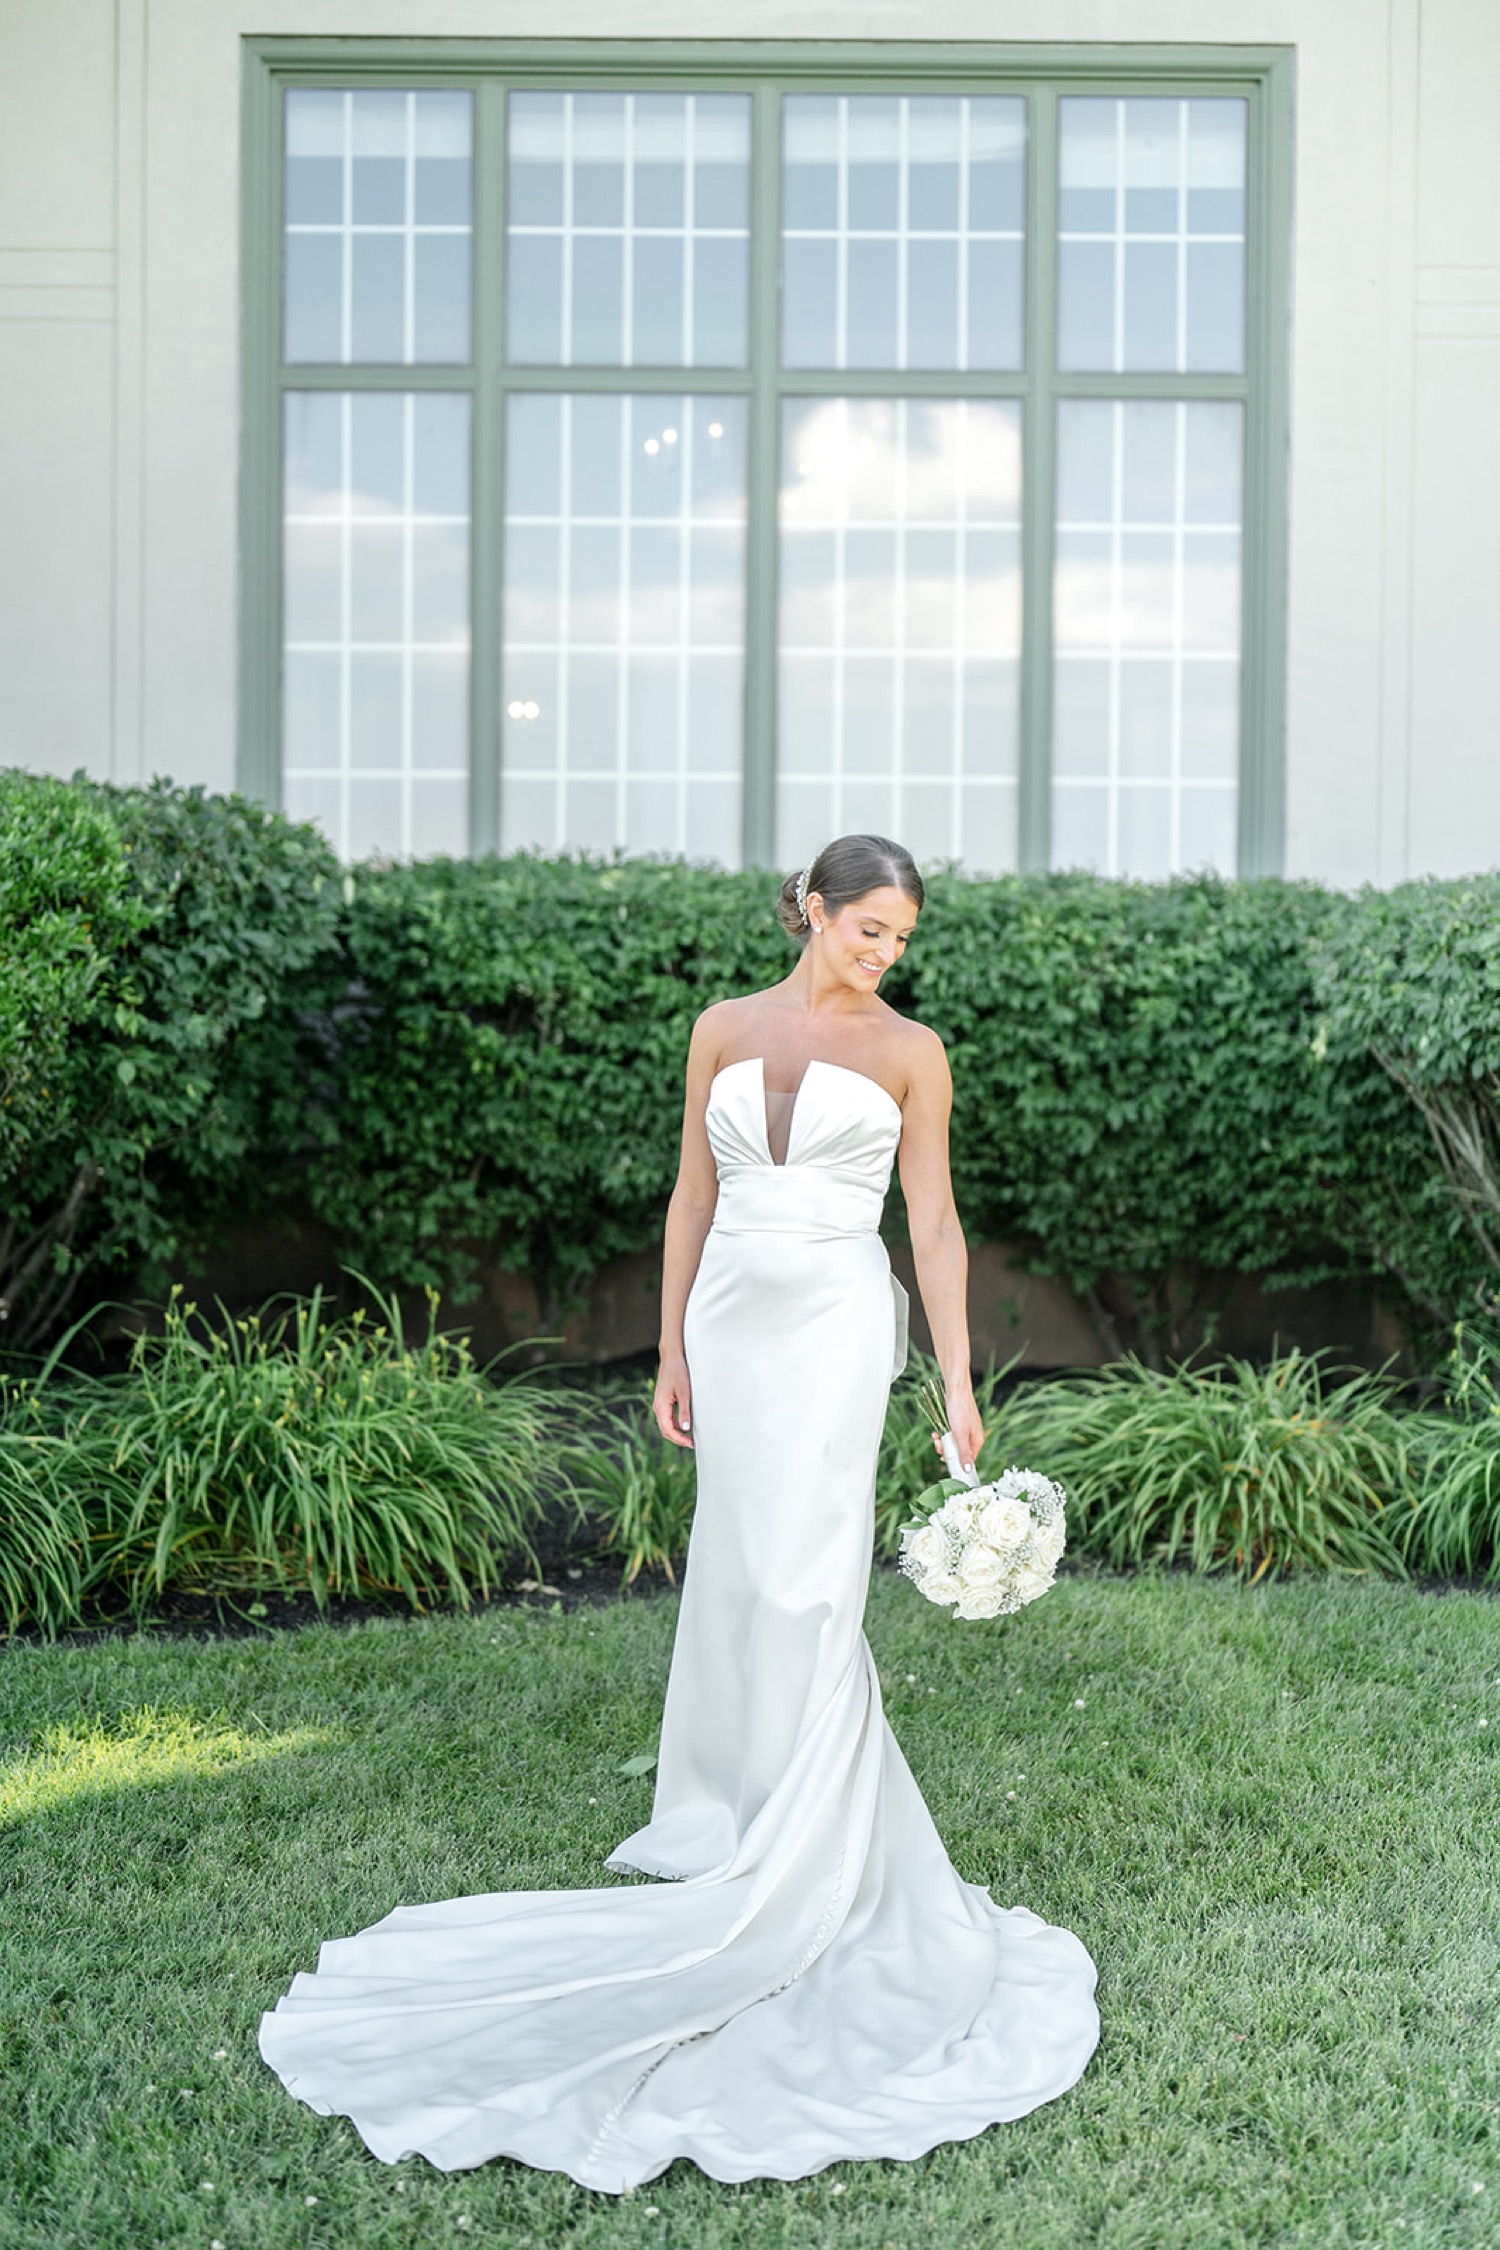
(817, 1982)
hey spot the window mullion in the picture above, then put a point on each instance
(1262, 787)
(759, 803)
(487, 496)
(1039, 447)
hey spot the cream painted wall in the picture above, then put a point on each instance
(119, 184)
(57, 382)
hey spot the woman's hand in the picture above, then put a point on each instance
(964, 1422)
(673, 1402)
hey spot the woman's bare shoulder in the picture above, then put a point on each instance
(918, 1052)
(722, 1021)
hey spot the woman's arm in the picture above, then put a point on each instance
(689, 1216)
(937, 1239)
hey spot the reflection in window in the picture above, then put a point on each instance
(900, 625)
(902, 230)
(375, 659)
(1151, 214)
(624, 623)
(628, 230)
(378, 222)
(1146, 697)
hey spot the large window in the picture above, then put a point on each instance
(671, 454)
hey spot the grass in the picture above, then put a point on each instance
(1272, 1815)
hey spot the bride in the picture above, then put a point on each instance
(817, 1981)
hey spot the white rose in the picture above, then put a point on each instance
(1051, 1542)
(981, 1601)
(940, 1586)
(1033, 1580)
(928, 1548)
(1004, 1521)
(956, 1513)
(980, 1566)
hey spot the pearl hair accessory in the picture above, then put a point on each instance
(802, 894)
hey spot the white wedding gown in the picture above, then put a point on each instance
(819, 1982)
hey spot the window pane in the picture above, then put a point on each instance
(902, 230)
(378, 226)
(900, 625)
(1151, 219)
(624, 623)
(628, 230)
(1146, 618)
(375, 658)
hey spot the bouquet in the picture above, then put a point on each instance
(982, 1550)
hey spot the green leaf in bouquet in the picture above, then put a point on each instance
(930, 1500)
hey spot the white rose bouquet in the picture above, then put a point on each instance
(983, 1550)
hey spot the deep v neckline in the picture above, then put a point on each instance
(814, 1062)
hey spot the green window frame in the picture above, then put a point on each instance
(766, 71)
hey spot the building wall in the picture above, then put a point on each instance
(119, 296)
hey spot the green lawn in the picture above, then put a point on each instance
(1272, 1816)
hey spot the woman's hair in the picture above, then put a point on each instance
(848, 868)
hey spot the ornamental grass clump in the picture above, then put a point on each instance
(637, 1490)
(299, 1449)
(1227, 1467)
(1453, 1525)
(43, 1534)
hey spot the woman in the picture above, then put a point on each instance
(820, 1982)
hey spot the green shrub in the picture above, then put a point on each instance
(66, 918)
(1142, 1093)
(196, 927)
(511, 1074)
(1145, 1091)
(1160, 1087)
(1412, 977)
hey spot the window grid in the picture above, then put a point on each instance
(430, 798)
(1224, 354)
(699, 789)
(845, 235)
(348, 231)
(1261, 78)
(943, 807)
(1211, 839)
(692, 144)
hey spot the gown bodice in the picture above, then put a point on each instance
(844, 1132)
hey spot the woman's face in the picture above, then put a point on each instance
(865, 938)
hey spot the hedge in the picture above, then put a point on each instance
(1414, 978)
(1148, 1086)
(158, 950)
(1159, 1086)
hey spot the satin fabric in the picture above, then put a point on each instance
(817, 1982)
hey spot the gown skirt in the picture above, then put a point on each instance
(815, 1981)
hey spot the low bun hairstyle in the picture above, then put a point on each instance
(848, 868)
